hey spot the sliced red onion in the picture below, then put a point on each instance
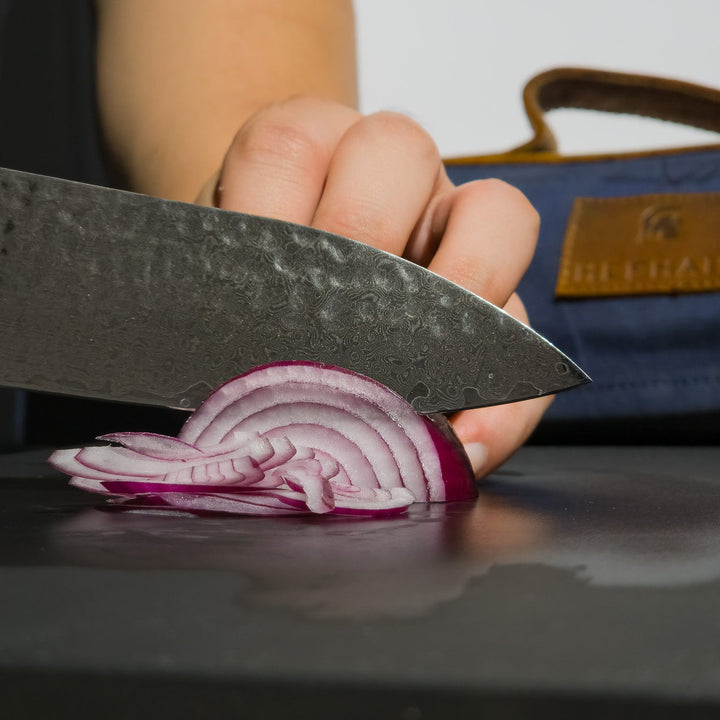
(154, 445)
(285, 438)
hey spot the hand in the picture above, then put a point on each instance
(379, 179)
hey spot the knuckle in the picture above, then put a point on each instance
(507, 196)
(468, 274)
(362, 220)
(274, 141)
(400, 128)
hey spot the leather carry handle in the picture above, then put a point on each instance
(645, 95)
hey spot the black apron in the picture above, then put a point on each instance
(49, 125)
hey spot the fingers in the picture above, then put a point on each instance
(482, 236)
(377, 179)
(381, 179)
(278, 162)
(488, 232)
(491, 435)
(318, 163)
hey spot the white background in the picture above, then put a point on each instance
(459, 67)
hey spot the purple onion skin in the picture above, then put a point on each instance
(457, 472)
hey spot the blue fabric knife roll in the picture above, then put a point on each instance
(648, 355)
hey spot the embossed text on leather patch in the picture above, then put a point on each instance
(642, 244)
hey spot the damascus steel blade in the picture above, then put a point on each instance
(115, 295)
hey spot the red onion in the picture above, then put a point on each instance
(284, 438)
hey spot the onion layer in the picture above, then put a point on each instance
(284, 438)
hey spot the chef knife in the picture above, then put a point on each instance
(116, 295)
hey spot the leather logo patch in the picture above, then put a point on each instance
(643, 244)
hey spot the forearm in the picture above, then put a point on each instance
(177, 78)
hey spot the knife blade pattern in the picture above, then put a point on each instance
(117, 295)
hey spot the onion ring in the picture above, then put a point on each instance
(284, 438)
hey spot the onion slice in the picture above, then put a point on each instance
(284, 438)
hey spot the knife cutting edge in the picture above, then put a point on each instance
(116, 295)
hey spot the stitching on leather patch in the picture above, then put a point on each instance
(641, 244)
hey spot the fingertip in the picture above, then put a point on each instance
(501, 430)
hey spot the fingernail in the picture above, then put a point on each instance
(477, 454)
